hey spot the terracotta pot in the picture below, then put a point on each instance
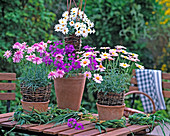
(69, 91)
(110, 112)
(40, 106)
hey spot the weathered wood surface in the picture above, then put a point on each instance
(64, 130)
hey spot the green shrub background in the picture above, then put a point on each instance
(142, 26)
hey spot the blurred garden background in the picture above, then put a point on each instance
(141, 25)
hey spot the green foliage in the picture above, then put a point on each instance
(109, 123)
(113, 81)
(33, 75)
(26, 20)
(153, 119)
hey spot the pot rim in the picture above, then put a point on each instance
(35, 102)
(73, 77)
(107, 106)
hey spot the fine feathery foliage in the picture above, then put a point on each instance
(34, 76)
(113, 81)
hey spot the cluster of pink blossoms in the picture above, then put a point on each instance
(22, 48)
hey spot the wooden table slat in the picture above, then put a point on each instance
(9, 124)
(93, 132)
(74, 131)
(125, 131)
(60, 128)
(40, 128)
(4, 119)
(25, 126)
(10, 114)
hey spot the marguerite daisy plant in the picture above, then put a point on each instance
(112, 69)
(76, 22)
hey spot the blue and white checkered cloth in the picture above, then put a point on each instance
(150, 82)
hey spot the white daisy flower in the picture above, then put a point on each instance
(139, 66)
(119, 47)
(74, 10)
(99, 59)
(62, 21)
(100, 67)
(73, 17)
(71, 23)
(80, 52)
(57, 27)
(85, 62)
(93, 31)
(91, 24)
(82, 25)
(124, 65)
(125, 57)
(89, 30)
(78, 33)
(97, 78)
(105, 48)
(65, 18)
(65, 30)
(124, 51)
(86, 20)
(87, 54)
(77, 25)
(84, 32)
(105, 55)
(134, 55)
(65, 14)
(63, 25)
(87, 74)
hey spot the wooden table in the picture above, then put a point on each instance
(64, 130)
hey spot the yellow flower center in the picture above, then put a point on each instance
(72, 22)
(64, 30)
(84, 31)
(88, 29)
(105, 55)
(124, 64)
(78, 31)
(97, 78)
(100, 66)
(87, 75)
(84, 62)
(87, 54)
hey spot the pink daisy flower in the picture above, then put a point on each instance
(37, 60)
(60, 73)
(52, 75)
(17, 45)
(16, 59)
(30, 57)
(19, 54)
(7, 54)
(30, 49)
(49, 41)
(40, 48)
(59, 57)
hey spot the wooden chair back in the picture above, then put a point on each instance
(7, 86)
(165, 84)
(134, 90)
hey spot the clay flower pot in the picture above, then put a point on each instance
(40, 106)
(69, 91)
(110, 112)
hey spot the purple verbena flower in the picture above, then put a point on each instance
(79, 126)
(69, 48)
